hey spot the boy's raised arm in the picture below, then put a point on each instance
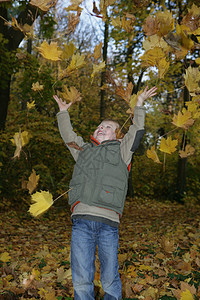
(136, 131)
(71, 139)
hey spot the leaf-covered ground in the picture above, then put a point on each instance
(159, 253)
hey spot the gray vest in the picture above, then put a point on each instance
(100, 177)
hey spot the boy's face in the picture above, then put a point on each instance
(105, 131)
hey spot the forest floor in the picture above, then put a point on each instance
(159, 254)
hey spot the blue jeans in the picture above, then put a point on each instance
(85, 236)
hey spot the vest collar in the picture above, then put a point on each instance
(96, 143)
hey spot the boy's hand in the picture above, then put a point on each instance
(145, 95)
(62, 104)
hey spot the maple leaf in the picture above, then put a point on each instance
(50, 52)
(185, 40)
(37, 87)
(68, 51)
(192, 79)
(42, 201)
(156, 57)
(133, 101)
(191, 19)
(183, 120)
(78, 61)
(125, 93)
(74, 6)
(72, 94)
(189, 150)
(20, 139)
(150, 26)
(98, 68)
(168, 145)
(165, 22)
(5, 257)
(116, 22)
(73, 20)
(44, 5)
(186, 292)
(153, 155)
(33, 181)
(97, 51)
(30, 105)
(155, 41)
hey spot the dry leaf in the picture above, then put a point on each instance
(44, 5)
(97, 51)
(189, 150)
(153, 155)
(71, 94)
(37, 87)
(168, 145)
(42, 201)
(78, 61)
(33, 181)
(50, 52)
(183, 120)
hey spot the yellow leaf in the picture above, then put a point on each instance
(97, 51)
(44, 5)
(183, 120)
(155, 41)
(116, 22)
(33, 181)
(98, 68)
(186, 295)
(50, 52)
(165, 22)
(37, 87)
(74, 6)
(42, 201)
(185, 40)
(125, 93)
(192, 79)
(163, 67)
(72, 94)
(69, 50)
(30, 105)
(197, 60)
(76, 62)
(20, 140)
(168, 145)
(189, 150)
(133, 101)
(153, 155)
(5, 257)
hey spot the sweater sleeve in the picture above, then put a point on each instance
(134, 135)
(67, 133)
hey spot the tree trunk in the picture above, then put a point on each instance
(103, 74)
(182, 162)
(14, 38)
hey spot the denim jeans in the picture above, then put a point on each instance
(85, 236)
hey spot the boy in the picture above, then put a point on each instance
(97, 196)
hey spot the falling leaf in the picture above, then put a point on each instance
(191, 19)
(156, 57)
(183, 120)
(155, 41)
(74, 6)
(189, 150)
(192, 79)
(33, 181)
(41, 203)
(153, 155)
(165, 22)
(73, 20)
(150, 26)
(168, 145)
(68, 51)
(37, 87)
(44, 5)
(185, 39)
(50, 52)
(98, 68)
(78, 61)
(20, 139)
(5, 257)
(71, 94)
(30, 105)
(116, 22)
(125, 93)
(133, 101)
(97, 51)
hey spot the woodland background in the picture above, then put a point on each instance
(100, 57)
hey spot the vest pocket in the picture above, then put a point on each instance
(113, 193)
(74, 193)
